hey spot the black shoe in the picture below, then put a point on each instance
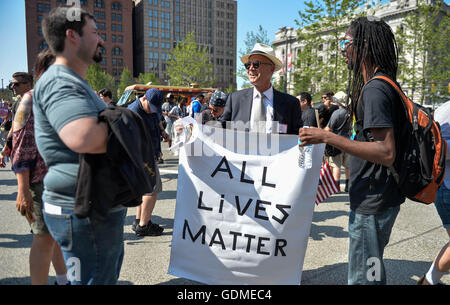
(161, 161)
(151, 229)
(135, 224)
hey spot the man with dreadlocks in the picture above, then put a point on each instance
(369, 49)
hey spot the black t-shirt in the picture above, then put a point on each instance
(309, 117)
(372, 188)
(326, 113)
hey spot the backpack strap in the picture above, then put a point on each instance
(391, 168)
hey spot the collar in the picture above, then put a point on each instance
(268, 93)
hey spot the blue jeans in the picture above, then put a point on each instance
(442, 205)
(93, 250)
(369, 235)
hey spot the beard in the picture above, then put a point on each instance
(97, 58)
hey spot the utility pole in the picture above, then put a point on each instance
(284, 29)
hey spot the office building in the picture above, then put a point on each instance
(114, 22)
(159, 25)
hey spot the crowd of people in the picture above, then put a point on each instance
(59, 120)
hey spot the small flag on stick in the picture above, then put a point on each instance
(327, 185)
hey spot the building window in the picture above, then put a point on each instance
(43, 45)
(101, 26)
(99, 4)
(41, 7)
(116, 27)
(99, 15)
(117, 51)
(116, 6)
(116, 17)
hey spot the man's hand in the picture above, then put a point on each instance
(312, 135)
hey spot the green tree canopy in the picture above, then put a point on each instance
(126, 79)
(98, 79)
(188, 63)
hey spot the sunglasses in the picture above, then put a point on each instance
(255, 64)
(15, 84)
(345, 44)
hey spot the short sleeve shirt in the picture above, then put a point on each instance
(60, 97)
(309, 117)
(336, 122)
(372, 187)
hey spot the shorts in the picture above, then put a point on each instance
(158, 186)
(169, 129)
(340, 160)
(442, 205)
(39, 226)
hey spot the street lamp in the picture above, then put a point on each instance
(285, 30)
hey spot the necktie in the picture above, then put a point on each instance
(258, 114)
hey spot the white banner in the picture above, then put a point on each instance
(243, 218)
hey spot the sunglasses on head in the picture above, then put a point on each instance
(255, 64)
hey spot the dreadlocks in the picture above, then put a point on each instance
(374, 46)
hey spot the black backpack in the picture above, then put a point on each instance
(420, 151)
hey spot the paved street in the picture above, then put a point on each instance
(416, 239)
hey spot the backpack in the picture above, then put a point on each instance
(420, 151)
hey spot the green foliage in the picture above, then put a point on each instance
(319, 65)
(126, 79)
(188, 63)
(145, 78)
(424, 57)
(98, 79)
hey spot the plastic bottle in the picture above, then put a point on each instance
(304, 155)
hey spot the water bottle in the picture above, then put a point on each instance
(304, 155)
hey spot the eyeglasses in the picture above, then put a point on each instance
(15, 84)
(255, 64)
(345, 44)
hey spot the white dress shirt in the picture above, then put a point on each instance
(268, 104)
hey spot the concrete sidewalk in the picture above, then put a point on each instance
(416, 239)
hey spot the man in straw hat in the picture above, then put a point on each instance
(262, 103)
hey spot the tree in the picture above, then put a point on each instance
(424, 59)
(318, 65)
(252, 38)
(98, 79)
(188, 63)
(126, 79)
(145, 78)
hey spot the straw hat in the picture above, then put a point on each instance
(262, 49)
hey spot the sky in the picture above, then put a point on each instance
(270, 14)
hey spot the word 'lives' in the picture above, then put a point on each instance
(241, 240)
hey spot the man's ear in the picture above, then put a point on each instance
(72, 36)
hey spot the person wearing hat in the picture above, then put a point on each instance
(149, 108)
(263, 103)
(216, 107)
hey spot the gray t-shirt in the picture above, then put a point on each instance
(337, 120)
(61, 97)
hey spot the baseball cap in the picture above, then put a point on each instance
(154, 98)
(218, 99)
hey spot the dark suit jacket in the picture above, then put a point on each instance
(286, 109)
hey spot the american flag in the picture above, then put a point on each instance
(327, 185)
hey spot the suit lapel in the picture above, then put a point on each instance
(276, 105)
(248, 102)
